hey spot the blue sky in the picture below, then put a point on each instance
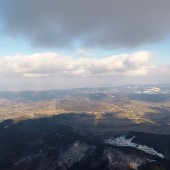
(89, 42)
(11, 46)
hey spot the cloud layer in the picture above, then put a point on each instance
(103, 23)
(52, 64)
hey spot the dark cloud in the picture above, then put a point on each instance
(103, 23)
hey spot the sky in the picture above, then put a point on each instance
(58, 44)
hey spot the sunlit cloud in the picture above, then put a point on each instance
(52, 64)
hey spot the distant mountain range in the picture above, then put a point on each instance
(96, 92)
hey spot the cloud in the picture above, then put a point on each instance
(90, 23)
(84, 52)
(52, 64)
(44, 71)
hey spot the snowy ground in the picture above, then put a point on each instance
(122, 141)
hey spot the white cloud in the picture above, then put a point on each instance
(52, 64)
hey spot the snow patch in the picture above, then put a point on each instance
(122, 141)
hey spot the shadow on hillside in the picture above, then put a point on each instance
(34, 137)
(82, 123)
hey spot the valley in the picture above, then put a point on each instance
(112, 107)
(118, 128)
